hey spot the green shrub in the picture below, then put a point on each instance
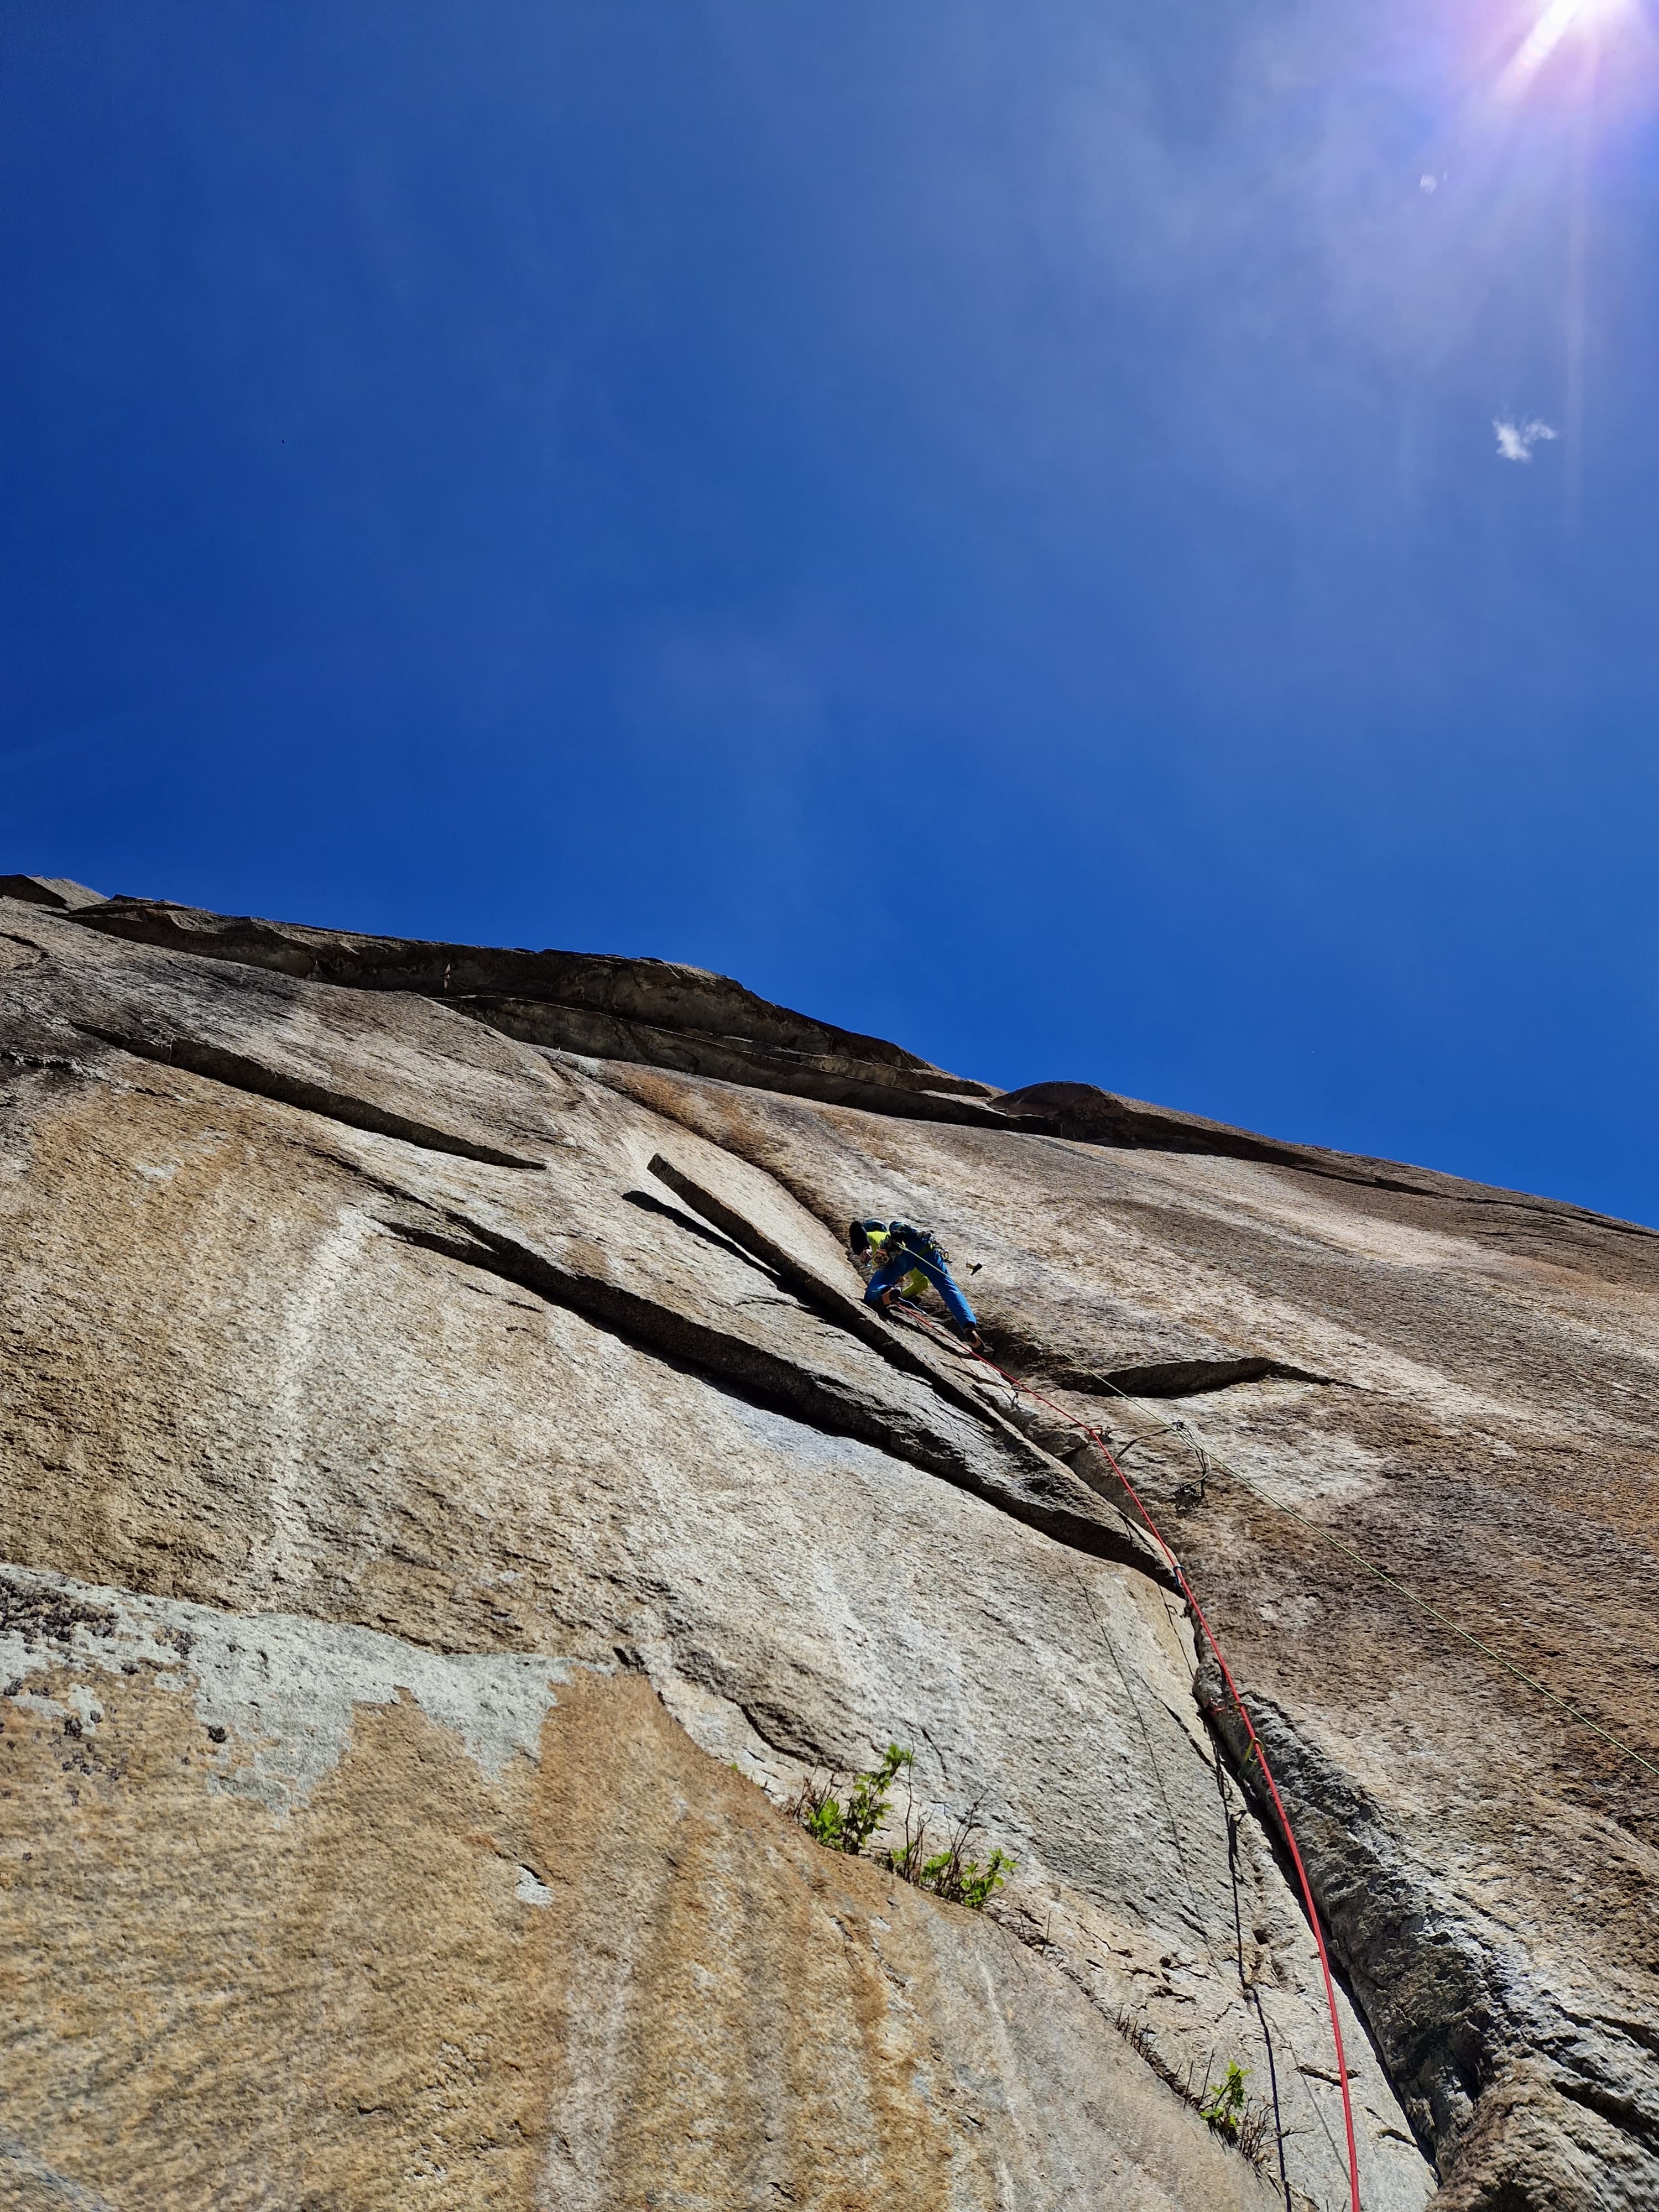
(1222, 2102)
(848, 1823)
(849, 1828)
(951, 1874)
(960, 1881)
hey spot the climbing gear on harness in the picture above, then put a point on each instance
(908, 1260)
(902, 1237)
(888, 1237)
(872, 1246)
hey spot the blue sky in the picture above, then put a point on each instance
(989, 524)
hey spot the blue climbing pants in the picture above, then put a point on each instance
(893, 1272)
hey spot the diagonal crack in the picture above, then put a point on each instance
(693, 1227)
(834, 1305)
(1035, 1491)
(239, 1073)
(1180, 1378)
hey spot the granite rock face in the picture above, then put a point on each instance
(454, 1499)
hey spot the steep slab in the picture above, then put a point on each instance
(238, 1383)
(658, 1013)
(519, 1898)
(654, 1010)
(1490, 1870)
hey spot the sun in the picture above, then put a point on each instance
(1547, 34)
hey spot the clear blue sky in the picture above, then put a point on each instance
(990, 524)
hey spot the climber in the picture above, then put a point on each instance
(904, 1260)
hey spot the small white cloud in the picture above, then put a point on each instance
(1429, 184)
(1517, 440)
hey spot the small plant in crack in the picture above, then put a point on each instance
(849, 1827)
(952, 1873)
(847, 1823)
(1223, 2103)
(1238, 2119)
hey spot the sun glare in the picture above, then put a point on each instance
(1547, 34)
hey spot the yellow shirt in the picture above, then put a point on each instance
(913, 1284)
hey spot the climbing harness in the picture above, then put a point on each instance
(875, 1241)
(1256, 1753)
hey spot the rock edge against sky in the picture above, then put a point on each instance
(454, 1497)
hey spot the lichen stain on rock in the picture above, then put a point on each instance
(225, 2009)
(355, 2005)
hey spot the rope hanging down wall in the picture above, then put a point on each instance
(1257, 1753)
(1209, 1463)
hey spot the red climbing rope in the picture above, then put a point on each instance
(1257, 1751)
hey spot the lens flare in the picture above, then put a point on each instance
(1546, 35)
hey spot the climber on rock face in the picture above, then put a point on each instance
(903, 1261)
